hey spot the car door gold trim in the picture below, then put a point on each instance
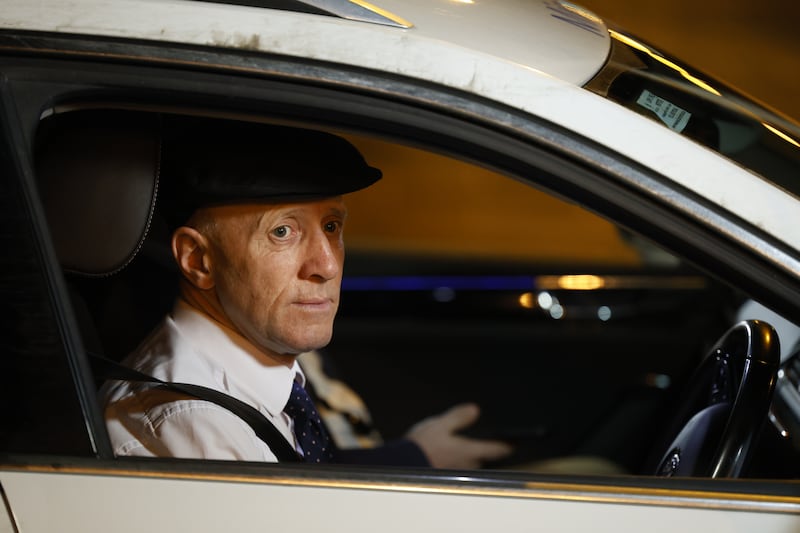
(466, 485)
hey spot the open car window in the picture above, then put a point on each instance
(464, 284)
(573, 334)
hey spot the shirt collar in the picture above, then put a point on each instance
(240, 367)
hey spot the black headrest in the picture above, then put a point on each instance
(98, 174)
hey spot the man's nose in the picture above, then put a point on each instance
(323, 258)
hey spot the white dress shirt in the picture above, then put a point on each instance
(188, 347)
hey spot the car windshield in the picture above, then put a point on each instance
(693, 104)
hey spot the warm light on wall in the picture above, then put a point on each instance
(428, 204)
(584, 282)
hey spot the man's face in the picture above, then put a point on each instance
(278, 270)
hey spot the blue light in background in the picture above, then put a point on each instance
(428, 283)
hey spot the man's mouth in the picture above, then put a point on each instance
(315, 304)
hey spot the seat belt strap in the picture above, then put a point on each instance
(106, 369)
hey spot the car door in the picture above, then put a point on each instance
(57, 470)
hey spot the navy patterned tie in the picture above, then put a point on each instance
(308, 428)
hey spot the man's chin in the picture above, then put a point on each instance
(309, 343)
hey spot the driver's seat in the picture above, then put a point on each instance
(98, 176)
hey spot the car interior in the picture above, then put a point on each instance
(575, 336)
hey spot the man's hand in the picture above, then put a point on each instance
(438, 438)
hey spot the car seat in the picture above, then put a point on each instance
(98, 176)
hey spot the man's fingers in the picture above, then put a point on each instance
(460, 416)
(488, 450)
(439, 439)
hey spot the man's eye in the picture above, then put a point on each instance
(281, 232)
(333, 226)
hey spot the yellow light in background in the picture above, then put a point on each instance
(583, 282)
(526, 300)
(463, 1)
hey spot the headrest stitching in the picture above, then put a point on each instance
(145, 233)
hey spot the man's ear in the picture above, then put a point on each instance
(191, 250)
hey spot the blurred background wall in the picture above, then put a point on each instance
(752, 45)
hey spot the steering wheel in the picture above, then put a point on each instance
(726, 404)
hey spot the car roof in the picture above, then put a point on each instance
(551, 36)
(555, 37)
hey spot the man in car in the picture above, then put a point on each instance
(258, 215)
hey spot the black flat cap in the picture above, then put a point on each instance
(206, 162)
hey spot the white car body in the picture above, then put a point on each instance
(129, 503)
(531, 56)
